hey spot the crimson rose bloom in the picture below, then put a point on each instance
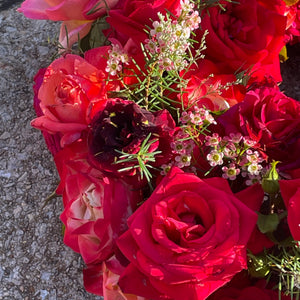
(70, 88)
(247, 34)
(290, 191)
(272, 119)
(130, 18)
(123, 126)
(187, 240)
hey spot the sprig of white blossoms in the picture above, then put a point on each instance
(117, 58)
(235, 154)
(182, 147)
(169, 39)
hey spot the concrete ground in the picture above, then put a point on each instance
(34, 262)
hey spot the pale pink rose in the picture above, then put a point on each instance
(77, 15)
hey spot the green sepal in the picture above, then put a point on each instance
(267, 223)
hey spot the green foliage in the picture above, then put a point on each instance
(141, 159)
(285, 263)
(204, 4)
(258, 266)
(95, 37)
(155, 88)
(267, 223)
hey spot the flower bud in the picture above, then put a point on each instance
(270, 183)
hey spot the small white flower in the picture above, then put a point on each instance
(183, 160)
(213, 140)
(253, 179)
(157, 29)
(235, 137)
(215, 158)
(231, 172)
(253, 157)
(113, 67)
(249, 142)
(185, 118)
(230, 150)
(166, 168)
(254, 169)
(196, 118)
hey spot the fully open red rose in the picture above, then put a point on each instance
(71, 87)
(187, 240)
(248, 34)
(272, 119)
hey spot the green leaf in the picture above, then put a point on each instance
(267, 223)
(95, 38)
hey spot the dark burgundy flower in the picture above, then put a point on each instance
(122, 126)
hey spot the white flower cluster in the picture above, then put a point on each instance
(117, 57)
(182, 148)
(169, 39)
(236, 152)
(199, 116)
(183, 144)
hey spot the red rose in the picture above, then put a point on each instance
(71, 87)
(96, 207)
(272, 119)
(248, 34)
(205, 91)
(187, 240)
(290, 191)
(129, 19)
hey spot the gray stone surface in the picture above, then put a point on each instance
(34, 262)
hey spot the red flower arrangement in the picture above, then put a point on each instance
(176, 150)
